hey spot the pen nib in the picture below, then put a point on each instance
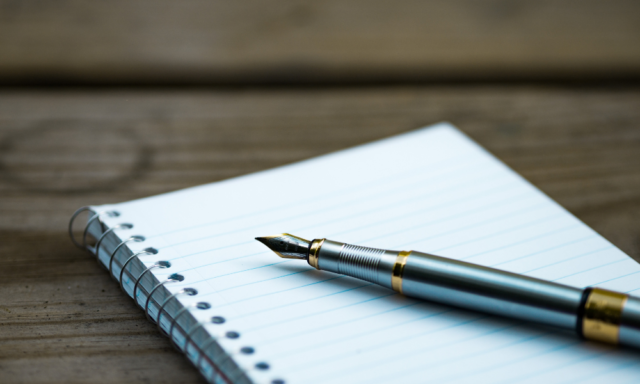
(287, 246)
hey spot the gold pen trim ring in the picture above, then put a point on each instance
(398, 270)
(602, 315)
(313, 252)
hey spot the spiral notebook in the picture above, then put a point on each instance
(243, 315)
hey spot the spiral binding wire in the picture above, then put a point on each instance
(135, 238)
(199, 305)
(230, 334)
(243, 351)
(176, 277)
(96, 248)
(93, 218)
(157, 264)
(189, 335)
(187, 291)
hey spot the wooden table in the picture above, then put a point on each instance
(115, 139)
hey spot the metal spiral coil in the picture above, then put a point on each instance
(175, 277)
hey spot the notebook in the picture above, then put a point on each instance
(240, 314)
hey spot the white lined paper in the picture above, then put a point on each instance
(432, 190)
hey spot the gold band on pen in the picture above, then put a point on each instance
(313, 252)
(602, 315)
(398, 270)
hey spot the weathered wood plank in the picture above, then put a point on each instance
(293, 41)
(63, 319)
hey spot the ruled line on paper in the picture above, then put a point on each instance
(564, 344)
(430, 223)
(321, 361)
(298, 302)
(382, 296)
(411, 172)
(284, 290)
(305, 215)
(413, 214)
(537, 237)
(570, 259)
(488, 333)
(308, 227)
(438, 313)
(239, 230)
(594, 268)
(618, 277)
(551, 350)
(547, 250)
(479, 209)
(387, 329)
(529, 376)
(315, 224)
(591, 377)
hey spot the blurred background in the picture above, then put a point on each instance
(102, 102)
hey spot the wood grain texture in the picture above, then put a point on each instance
(63, 320)
(292, 41)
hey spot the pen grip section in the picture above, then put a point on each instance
(370, 264)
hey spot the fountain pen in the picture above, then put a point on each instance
(594, 313)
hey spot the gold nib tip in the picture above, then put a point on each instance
(287, 246)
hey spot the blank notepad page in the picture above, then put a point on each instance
(432, 190)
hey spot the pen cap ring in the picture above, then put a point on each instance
(602, 315)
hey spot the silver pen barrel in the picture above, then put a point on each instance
(593, 313)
